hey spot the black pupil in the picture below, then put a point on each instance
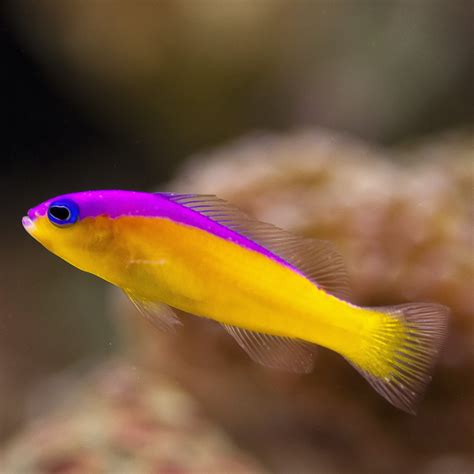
(60, 213)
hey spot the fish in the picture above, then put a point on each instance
(279, 295)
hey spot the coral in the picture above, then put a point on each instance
(117, 420)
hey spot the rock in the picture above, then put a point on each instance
(118, 420)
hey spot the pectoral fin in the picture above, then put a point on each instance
(160, 315)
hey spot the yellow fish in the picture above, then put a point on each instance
(277, 294)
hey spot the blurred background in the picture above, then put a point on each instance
(345, 120)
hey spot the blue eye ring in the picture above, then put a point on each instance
(63, 212)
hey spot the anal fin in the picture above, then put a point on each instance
(277, 352)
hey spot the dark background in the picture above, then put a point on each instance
(119, 94)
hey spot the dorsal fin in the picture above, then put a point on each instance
(317, 260)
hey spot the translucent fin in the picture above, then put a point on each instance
(403, 350)
(321, 263)
(160, 315)
(276, 352)
(318, 260)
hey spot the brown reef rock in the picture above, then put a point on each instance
(117, 420)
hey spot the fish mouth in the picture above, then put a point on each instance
(28, 224)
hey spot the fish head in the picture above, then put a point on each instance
(77, 227)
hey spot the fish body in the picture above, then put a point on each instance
(275, 293)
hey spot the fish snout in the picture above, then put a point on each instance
(28, 223)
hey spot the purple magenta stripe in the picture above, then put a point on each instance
(116, 204)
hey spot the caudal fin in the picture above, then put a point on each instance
(401, 351)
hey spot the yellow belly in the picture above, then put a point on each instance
(202, 274)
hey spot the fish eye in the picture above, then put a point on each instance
(63, 213)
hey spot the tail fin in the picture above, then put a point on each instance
(402, 350)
